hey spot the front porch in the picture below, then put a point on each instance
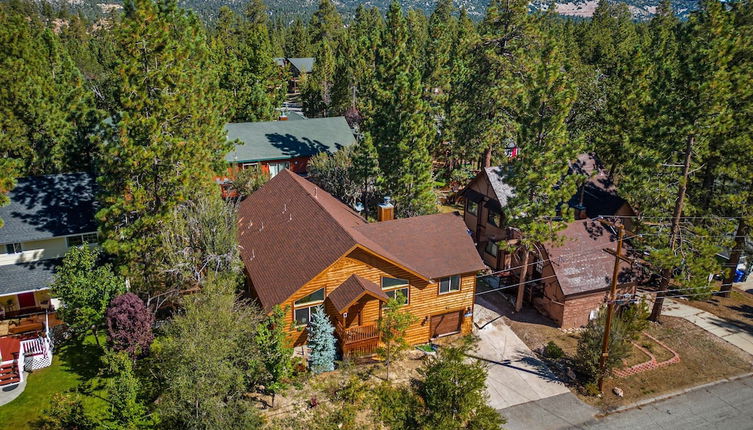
(354, 309)
(357, 341)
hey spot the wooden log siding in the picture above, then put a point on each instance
(425, 300)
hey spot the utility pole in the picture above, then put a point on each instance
(610, 306)
(666, 274)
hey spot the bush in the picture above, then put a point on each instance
(65, 413)
(553, 351)
(129, 325)
(249, 180)
(591, 389)
(396, 407)
(626, 327)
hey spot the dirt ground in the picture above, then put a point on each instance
(704, 357)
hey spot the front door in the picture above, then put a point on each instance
(26, 300)
(354, 316)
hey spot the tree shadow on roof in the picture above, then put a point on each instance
(293, 146)
(56, 204)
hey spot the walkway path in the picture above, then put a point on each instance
(715, 325)
(8, 394)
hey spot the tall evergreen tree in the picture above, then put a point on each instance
(166, 138)
(401, 126)
(326, 23)
(47, 115)
(252, 83)
(297, 40)
(317, 90)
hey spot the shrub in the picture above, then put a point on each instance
(396, 407)
(129, 325)
(65, 413)
(626, 327)
(249, 180)
(553, 351)
(591, 389)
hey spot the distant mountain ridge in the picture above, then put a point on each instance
(208, 9)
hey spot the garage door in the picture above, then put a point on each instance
(445, 324)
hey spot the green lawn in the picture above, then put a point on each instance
(73, 363)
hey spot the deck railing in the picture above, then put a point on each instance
(356, 334)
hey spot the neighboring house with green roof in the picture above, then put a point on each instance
(276, 145)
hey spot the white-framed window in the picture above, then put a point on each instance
(449, 284)
(13, 248)
(471, 207)
(81, 239)
(393, 286)
(492, 248)
(304, 306)
(249, 165)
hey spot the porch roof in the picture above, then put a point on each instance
(353, 289)
(23, 277)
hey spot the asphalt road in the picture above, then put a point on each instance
(727, 405)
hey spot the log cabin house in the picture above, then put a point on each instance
(573, 277)
(303, 248)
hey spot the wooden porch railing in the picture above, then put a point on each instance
(356, 334)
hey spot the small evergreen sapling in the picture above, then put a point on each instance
(322, 342)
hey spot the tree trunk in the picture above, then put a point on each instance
(96, 338)
(734, 258)
(673, 233)
(486, 160)
(522, 280)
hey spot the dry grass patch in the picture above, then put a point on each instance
(704, 358)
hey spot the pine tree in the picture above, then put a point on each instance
(401, 126)
(366, 171)
(437, 70)
(46, 112)
(321, 341)
(297, 40)
(326, 23)
(252, 83)
(317, 91)
(163, 146)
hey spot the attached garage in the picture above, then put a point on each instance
(444, 324)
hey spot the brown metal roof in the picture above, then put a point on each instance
(582, 263)
(290, 230)
(353, 289)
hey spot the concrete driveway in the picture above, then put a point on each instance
(515, 374)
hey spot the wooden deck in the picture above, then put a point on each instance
(358, 341)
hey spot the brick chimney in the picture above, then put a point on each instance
(386, 211)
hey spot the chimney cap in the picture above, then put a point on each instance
(387, 202)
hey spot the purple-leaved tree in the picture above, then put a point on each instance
(129, 325)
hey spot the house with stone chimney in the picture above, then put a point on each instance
(303, 248)
(566, 281)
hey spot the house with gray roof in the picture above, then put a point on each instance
(274, 146)
(565, 281)
(297, 67)
(46, 216)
